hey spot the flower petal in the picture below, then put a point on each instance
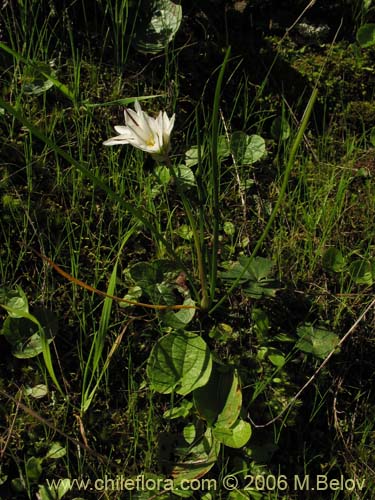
(119, 139)
(123, 130)
(144, 132)
(137, 107)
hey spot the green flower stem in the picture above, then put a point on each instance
(198, 177)
(288, 169)
(215, 177)
(197, 239)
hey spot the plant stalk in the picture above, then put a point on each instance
(215, 177)
(205, 303)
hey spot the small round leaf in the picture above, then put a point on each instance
(366, 35)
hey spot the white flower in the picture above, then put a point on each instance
(144, 132)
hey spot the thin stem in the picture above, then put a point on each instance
(198, 177)
(215, 177)
(197, 240)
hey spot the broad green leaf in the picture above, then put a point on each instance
(262, 353)
(134, 294)
(261, 323)
(18, 485)
(280, 129)
(191, 156)
(185, 232)
(185, 177)
(15, 301)
(223, 148)
(247, 149)
(64, 487)
(15, 336)
(222, 332)
(256, 282)
(317, 341)
(180, 318)
(25, 335)
(162, 173)
(276, 357)
(366, 35)
(234, 437)
(238, 145)
(38, 78)
(157, 32)
(333, 260)
(29, 349)
(146, 274)
(366, 4)
(189, 432)
(219, 402)
(180, 362)
(183, 410)
(149, 277)
(33, 468)
(157, 280)
(259, 269)
(196, 460)
(361, 272)
(56, 450)
(244, 495)
(37, 392)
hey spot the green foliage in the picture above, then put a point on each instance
(27, 333)
(38, 79)
(254, 276)
(156, 282)
(219, 403)
(158, 27)
(360, 271)
(333, 260)
(247, 149)
(34, 470)
(317, 341)
(280, 128)
(180, 362)
(196, 459)
(366, 35)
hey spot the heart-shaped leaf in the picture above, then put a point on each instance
(317, 341)
(180, 362)
(219, 402)
(234, 437)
